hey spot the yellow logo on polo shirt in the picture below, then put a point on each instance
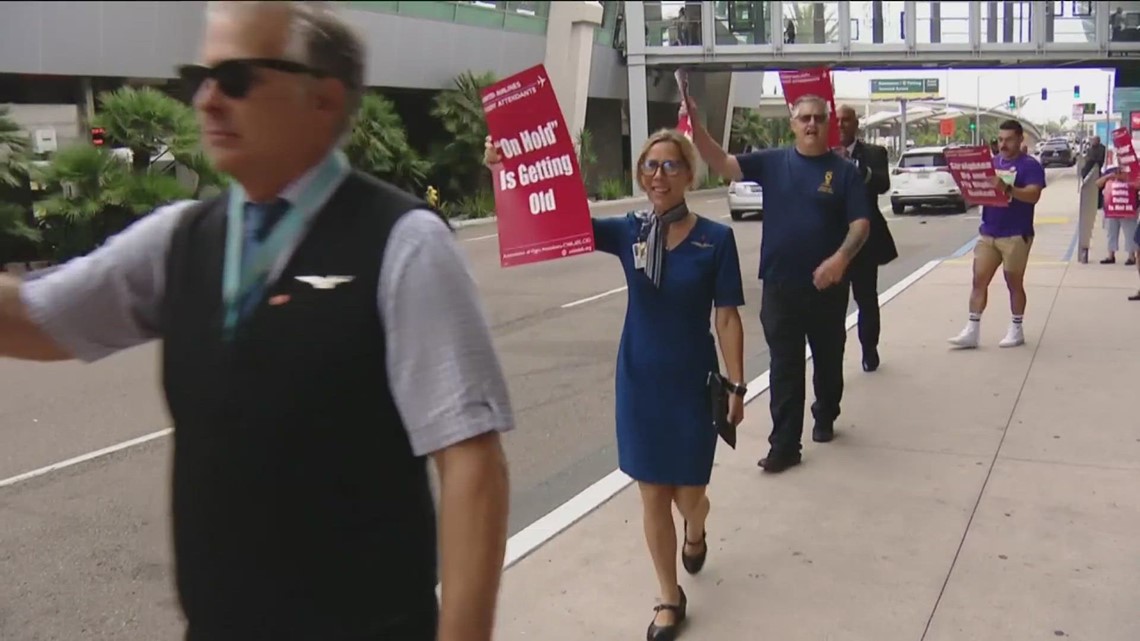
(826, 186)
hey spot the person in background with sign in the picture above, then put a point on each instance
(873, 165)
(1119, 204)
(680, 267)
(1006, 236)
(816, 221)
(1120, 198)
(322, 337)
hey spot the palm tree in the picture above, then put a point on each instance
(460, 111)
(94, 194)
(14, 148)
(148, 122)
(379, 146)
(17, 236)
(750, 128)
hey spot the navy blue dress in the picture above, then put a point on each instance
(664, 415)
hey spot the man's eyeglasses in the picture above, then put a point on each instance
(819, 119)
(236, 77)
(671, 167)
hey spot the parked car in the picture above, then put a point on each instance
(1057, 151)
(745, 197)
(922, 179)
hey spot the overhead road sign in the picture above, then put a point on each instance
(904, 89)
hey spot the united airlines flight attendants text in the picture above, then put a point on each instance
(679, 267)
(320, 334)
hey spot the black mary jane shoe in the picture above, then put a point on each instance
(668, 632)
(693, 563)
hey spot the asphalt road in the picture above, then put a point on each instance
(84, 550)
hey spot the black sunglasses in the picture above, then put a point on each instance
(235, 77)
(818, 118)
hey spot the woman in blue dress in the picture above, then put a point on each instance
(679, 267)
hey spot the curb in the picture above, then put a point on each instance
(460, 224)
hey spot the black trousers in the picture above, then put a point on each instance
(864, 278)
(791, 315)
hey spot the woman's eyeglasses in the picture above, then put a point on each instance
(236, 77)
(671, 167)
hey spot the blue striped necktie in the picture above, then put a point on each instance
(260, 218)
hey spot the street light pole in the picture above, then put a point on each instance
(978, 111)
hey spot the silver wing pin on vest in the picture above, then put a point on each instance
(325, 282)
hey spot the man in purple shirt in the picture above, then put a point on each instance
(1006, 235)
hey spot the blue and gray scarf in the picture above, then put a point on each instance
(654, 232)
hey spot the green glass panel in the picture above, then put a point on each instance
(525, 24)
(479, 16)
(383, 7)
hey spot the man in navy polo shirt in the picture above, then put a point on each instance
(816, 220)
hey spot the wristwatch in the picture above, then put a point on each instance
(736, 388)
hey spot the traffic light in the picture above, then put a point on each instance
(1012, 103)
(1044, 94)
(97, 136)
(1076, 91)
(973, 126)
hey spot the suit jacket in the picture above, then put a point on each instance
(872, 161)
(1095, 157)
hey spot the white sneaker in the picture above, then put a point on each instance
(968, 339)
(1014, 337)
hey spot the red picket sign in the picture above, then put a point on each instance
(973, 172)
(1119, 200)
(1125, 155)
(817, 81)
(684, 123)
(540, 199)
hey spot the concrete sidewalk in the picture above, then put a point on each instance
(984, 495)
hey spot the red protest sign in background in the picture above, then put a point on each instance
(540, 199)
(1125, 155)
(973, 172)
(817, 82)
(1119, 200)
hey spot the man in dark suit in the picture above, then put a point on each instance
(880, 247)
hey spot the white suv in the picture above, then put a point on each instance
(922, 179)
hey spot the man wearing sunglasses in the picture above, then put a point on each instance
(815, 223)
(322, 338)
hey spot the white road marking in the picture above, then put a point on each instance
(556, 521)
(582, 301)
(83, 458)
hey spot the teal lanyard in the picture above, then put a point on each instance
(238, 281)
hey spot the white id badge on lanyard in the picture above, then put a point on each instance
(640, 252)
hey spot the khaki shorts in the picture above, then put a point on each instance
(1011, 252)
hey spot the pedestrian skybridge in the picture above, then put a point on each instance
(865, 35)
(877, 113)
